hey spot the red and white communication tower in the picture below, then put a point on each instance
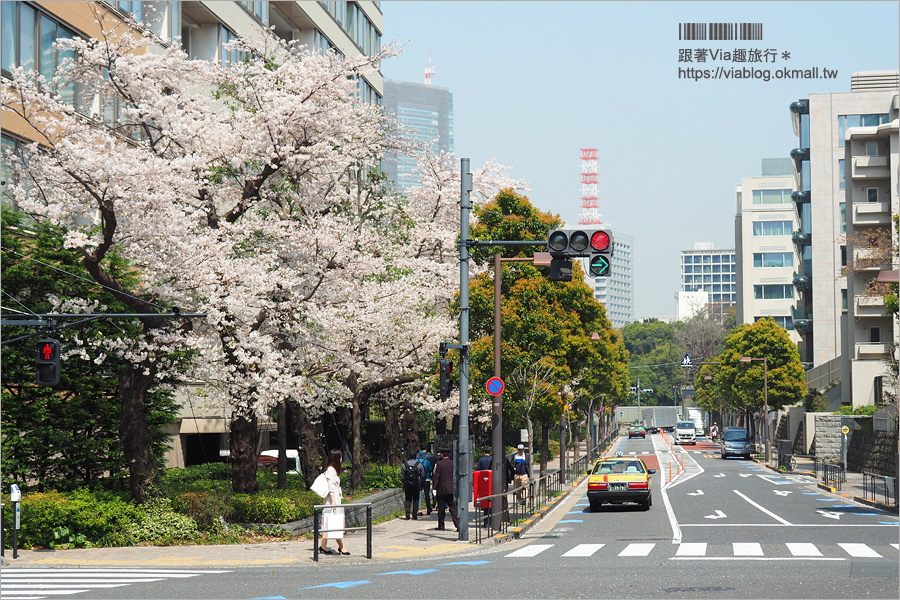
(589, 214)
(429, 71)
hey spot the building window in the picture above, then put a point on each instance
(773, 292)
(841, 166)
(771, 196)
(843, 256)
(847, 121)
(844, 300)
(785, 322)
(843, 208)
(773, 259)
(260, 10)
(875, 335)
(769, 228)
(872, 194)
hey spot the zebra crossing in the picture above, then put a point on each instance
(735, 550)
(35, 583)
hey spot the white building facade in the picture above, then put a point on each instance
(711, 270)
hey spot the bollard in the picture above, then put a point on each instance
(670, 472)
(682, 462)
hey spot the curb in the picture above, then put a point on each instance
(517, 532)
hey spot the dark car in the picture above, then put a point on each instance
(735, 442)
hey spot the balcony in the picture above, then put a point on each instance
(870, 167)
(802, 318)
(801, 282)
(800, 154)
(871, 259)
(869, 306)
(801, 239)
(871, 213)
(872, 351)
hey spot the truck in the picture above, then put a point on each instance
(696, 415)
(655, 418)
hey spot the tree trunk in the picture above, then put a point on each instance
(282, 446)
(310, 450)
(530, 455)
(244, 439)
(574, 440)
(358, 459)
(410, 428)
(545, 448)
(392, 433)
(134, 429)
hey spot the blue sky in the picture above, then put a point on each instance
(534, 82)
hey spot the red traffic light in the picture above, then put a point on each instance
(600, 241)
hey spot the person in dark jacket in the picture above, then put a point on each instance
(412, 473)
(484, 463)
(443, 489)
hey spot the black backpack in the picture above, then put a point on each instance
(410, 473)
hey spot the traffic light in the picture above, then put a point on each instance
(565, 244)
(47, 362)
(446, 384)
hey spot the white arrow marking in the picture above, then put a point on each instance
(719, 475)
(781, 492)
(746, 474)
(697, 493)
(719, 515)
(830, 514)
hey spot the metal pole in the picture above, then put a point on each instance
(497, 470)
(766, 404)
(464, 458)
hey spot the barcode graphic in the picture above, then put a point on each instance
(720, 31)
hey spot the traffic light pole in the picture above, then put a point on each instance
(465, 457)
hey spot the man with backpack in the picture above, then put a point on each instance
(427, 462)
(412, 473)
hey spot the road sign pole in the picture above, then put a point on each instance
(497, 409)
(465, 458)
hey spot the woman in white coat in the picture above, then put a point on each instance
(333, 518)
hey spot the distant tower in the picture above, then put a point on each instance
(589, 214)
(429, 71)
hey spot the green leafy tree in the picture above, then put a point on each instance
(65, 436)
(653, 342)
(739, 385)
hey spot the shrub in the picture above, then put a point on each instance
(207, 510)
(97, 518)
(382, 477)
(273, 507)
(162, 525)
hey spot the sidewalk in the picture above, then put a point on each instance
(397, 539)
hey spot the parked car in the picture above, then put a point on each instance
(637, 430)
(618, 480)
(735, 442)
(269, 460)
(685, 433)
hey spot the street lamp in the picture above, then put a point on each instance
(746, 359)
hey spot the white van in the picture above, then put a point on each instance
(685, 433)
(293, 459)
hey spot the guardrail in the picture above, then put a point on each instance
(317, 510)
(833, 473)
(874, 484)
(518, 504)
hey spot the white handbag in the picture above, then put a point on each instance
(320, 485)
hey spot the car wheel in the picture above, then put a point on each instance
(595, 506)
(645, 504)
(746, 457)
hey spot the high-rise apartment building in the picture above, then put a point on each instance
(764, 223)
(616, 292)
(710, 270)
(821, 177)
(425, 114)
(869, 331)
(29, 30)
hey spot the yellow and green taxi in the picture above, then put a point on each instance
(618, 480)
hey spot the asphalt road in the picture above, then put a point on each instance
(722, 529)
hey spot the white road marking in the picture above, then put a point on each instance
(691, 549)
(532, 550)
(768, 512)
(747, 549)
(897, 546)
(583, 550)
(781, 492)
(803, 549)
(859, 551)
(637, 550)
(719, 515)
(697, 493)
(831, 514)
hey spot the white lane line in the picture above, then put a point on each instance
(768, 512)
(803, 549)
(691, 549)
(40, 587)
(527, 551)
(114, 572)
(54, 592)
(747, 549)
(637, 550)
(897, 546)
(583, 550)
(859, 551)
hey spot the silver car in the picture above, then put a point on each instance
(735, 442)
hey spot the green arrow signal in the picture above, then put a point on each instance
(599, 265)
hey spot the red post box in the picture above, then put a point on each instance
(481, 486)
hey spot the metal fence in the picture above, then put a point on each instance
(517, 505)
(317, 510)
(832, 473)
(875, 486)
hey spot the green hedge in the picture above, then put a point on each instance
(279, 506)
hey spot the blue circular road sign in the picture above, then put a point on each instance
(495, 386)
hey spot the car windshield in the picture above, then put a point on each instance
(618, 466)
(736, 435)
(685, 425)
